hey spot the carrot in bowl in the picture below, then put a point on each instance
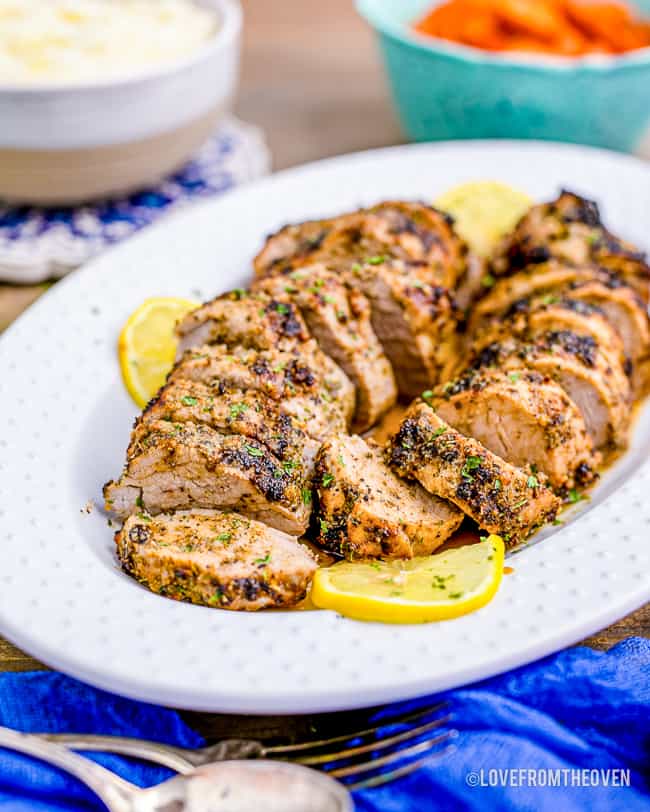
(563, 27)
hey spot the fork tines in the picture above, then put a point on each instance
(381, 751)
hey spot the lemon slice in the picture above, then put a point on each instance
(419, 590)
(484, 212)
(147, 345)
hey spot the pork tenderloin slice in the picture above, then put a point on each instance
(416, 322)
(246, 412)
(530, 319)
(570, 229)
(292, 245)
(338, 317)
(408, 231)
(280, 374)
(365, 511)
(595, 382)
(541, 314)
(627, 313)
(222, 560)
(245, 319)
(535, 279)
(421, 233)
(524, 418)
(177, 466)
(499, 497)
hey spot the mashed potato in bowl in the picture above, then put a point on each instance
(79, 41)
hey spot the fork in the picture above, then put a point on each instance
(367, 750)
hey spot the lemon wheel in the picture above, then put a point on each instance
(484, 211)
(439, 587)
(147, 345)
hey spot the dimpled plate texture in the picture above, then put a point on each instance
(66, 423)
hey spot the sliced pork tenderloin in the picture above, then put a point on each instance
(499, 497)
(366, 511)
(627, 313)
(304, 370)
(407, 231)
(540, 314)
(222, 560)
(338, 317)
(177, 466)
(247, 412)
(524, 417)
(416, 322)
(549, 277)
(593, 380)
(245, 319)
(570, 229)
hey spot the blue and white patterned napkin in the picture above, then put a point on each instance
(38, 244)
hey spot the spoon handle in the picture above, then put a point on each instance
(116, 793)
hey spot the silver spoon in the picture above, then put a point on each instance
(227, 786)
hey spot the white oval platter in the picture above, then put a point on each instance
(66, 423)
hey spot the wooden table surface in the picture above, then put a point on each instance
(312, 79)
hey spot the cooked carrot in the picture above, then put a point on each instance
(536, 17)
(564, 27)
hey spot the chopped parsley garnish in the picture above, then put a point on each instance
(574, 497)
(520, 504)
(224, 537)
(557, 522)
(327, 480)
(254, 452)
(377, 260)
(375, 565)
(428, 395)
(290, 289)
(237, 409)
(306, 496)
(289, 466)
(341, 460)
(282, 308)
(356, 268)
(514, 376)
(240, 293)
(471, 464)
(324, 526)
(144, 518)
(532, 481)
(329, 299)
(263, 561)
(188, 400)
(488, 280)
(438, 432)
(139, 501)
(497, 484)
(217, 597)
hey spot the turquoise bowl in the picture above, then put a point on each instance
(447, 91)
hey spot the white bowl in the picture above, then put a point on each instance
(69, 143)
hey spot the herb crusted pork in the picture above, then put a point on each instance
(499, 497)
(223, 560)
(527, 372)
(365, 511)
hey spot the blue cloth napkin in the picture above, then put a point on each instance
(577, 711)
